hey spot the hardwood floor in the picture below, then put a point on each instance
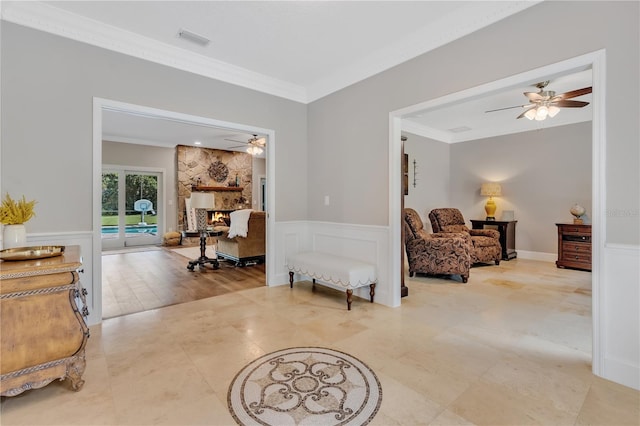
(143, 280)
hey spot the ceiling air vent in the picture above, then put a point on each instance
(460, 129)
(193, 37)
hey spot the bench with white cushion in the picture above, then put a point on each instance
(337, 270)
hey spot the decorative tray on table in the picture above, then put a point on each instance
(31, 253)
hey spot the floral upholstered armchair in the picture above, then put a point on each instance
(435, 254)
(486, 242)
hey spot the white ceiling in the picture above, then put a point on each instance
(151, 130)
(469, 120)
(300, 50)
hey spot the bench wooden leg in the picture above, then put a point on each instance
(372, 292)
(349, 298)
(290, 279)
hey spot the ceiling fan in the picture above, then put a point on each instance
(255, 145)
(545, 103)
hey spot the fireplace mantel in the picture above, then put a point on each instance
(216, 188)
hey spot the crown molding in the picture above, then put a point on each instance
(43, 17)
(449, 28)
(56, 21)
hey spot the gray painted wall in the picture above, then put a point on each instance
(432, 188)
(542, 173)
(259, 170)
(48, 85)
(354, 121)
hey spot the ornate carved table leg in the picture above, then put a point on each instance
(372, 291)
(75, 370)
(349, 298)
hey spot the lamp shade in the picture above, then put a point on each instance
(491, 189)
(202, 200)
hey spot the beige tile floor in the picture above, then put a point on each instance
(511, 347)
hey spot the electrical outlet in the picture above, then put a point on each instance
(326, 200)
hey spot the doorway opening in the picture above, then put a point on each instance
(105, 105)
(596, 61)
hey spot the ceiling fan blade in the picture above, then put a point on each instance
(570, 104)
(239, 146)
(534, 96)
(233, 140)
(572, 94)
(502, 109)
(260, 142)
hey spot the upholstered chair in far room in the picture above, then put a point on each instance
(486, 242)
(435, 254)
(247, 249)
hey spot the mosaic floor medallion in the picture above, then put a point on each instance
(305, 386)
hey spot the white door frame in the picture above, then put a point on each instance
(597, 61)
(100, 104)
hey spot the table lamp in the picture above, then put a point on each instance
(491, 190)
(202, 202)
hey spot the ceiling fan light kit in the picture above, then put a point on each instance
(254, 150)
(255, 145)
(545, 103)
(541, 112)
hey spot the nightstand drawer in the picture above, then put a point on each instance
(576, 257)
(576, 230)
(573, 248)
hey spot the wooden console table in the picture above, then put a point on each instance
(507, 229)
(43, 333)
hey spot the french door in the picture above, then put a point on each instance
(131, 208)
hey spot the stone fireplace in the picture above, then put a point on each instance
(227, 174)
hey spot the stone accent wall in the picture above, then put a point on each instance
(195, 169)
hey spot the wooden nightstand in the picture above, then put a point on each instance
(507, 229)
(574, 246)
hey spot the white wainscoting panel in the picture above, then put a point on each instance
(291, 237)
(620, 306)
(362, 242)
(85, 241)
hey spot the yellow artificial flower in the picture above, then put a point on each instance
(16, 212)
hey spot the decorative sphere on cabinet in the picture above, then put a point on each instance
(577, 210)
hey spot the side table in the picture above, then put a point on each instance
(507, 230)
(203, 259)
(574, 246)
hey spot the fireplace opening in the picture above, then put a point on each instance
(219, 217)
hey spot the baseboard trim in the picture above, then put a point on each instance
(536, 255)
(622, 372)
